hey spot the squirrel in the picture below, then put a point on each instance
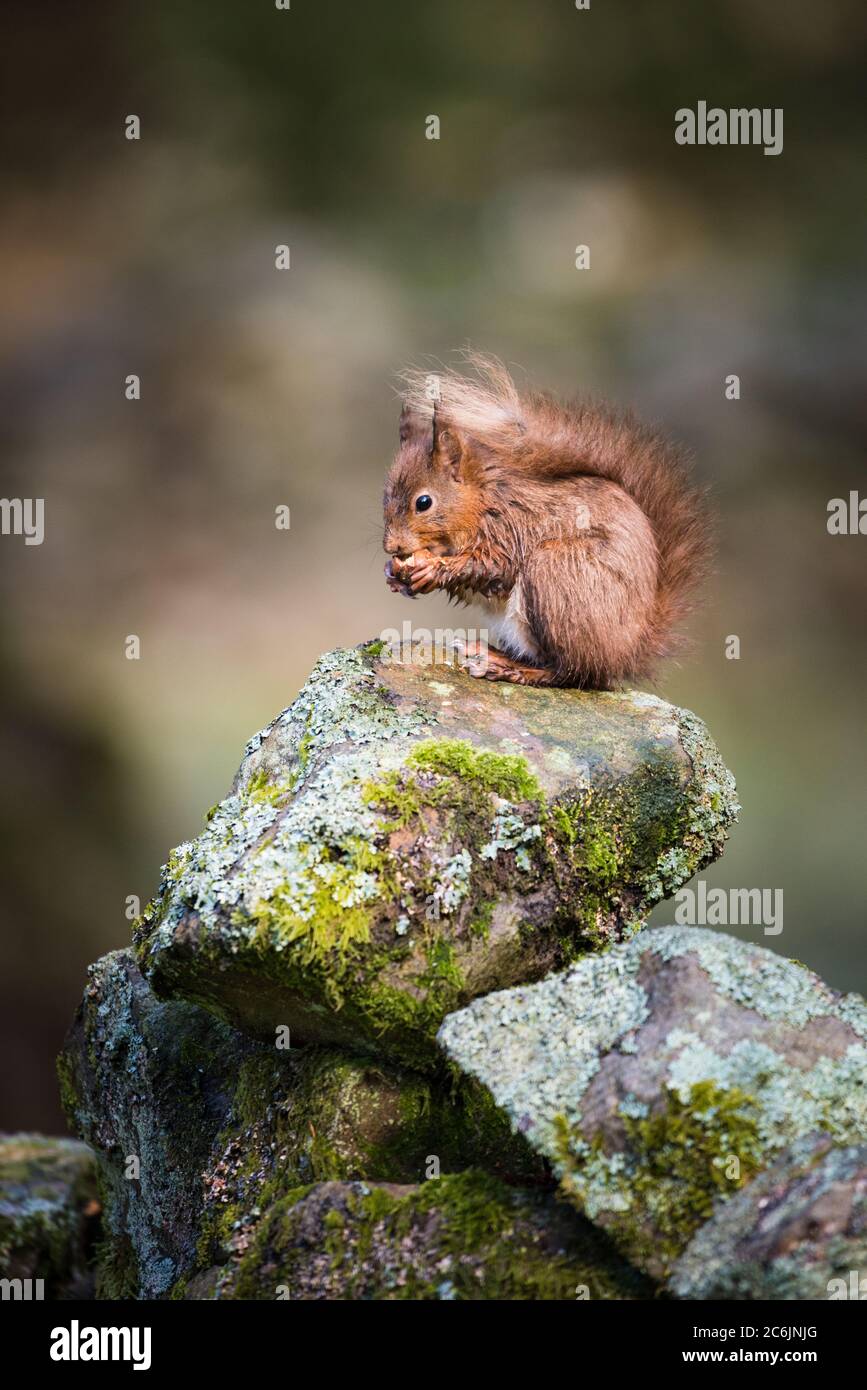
(576, 527)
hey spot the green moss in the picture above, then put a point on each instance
(608, 846)
(117, 1275)
(260, 789)
(401, 798)
(408, 1018)
(411, 1016)
(177, 863)
(464, 1237)
(374, 649)
(564, 825)
(306, 742)
(506, 775)
(678, 1161)
(442, 980)
(411, 1012)
(480, 925)
(477, 1125)
(463, 773)
(68, 1089)
(335, 927)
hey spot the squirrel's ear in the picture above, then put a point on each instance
(451, 452)
(459, 454)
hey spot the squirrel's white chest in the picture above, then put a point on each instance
(508, 628)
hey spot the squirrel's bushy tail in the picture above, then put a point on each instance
(534, 435)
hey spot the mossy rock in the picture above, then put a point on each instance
(798, 1231)
(460, 1237)
(199, 1129)
(49, 1215)
(662, 1077)
(403, 839)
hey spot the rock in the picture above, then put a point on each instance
(463, 1237)
(198, 1128)
(663, 1075)
(798, 1231)
(49, 1216)
(403, 839)
(148, 1086)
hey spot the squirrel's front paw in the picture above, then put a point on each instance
(397, 576)
(424, 572)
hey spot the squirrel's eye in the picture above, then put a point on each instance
(423, 503)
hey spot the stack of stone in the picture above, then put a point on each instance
(388, 1031)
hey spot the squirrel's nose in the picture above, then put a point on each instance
(392, 545)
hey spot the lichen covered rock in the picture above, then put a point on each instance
(147, 1086)
(461, 1237)
(403, 839)
(49, 1215)
(798, 1231)
(663, 1075)
(198, 1129)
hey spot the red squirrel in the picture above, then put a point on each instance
(574, 526)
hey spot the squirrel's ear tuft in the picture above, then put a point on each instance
(483, 404)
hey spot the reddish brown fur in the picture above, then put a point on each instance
(576, 526)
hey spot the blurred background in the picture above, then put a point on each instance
(260, 387)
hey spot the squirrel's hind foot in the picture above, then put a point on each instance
(493, 665)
